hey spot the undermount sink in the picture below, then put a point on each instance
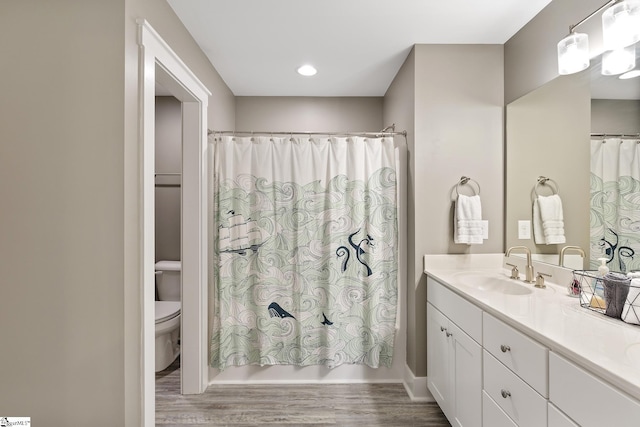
(493, 282)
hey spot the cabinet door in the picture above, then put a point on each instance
(466, 379)
(438, 357)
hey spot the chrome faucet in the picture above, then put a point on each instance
(568, 248)
(529, 268)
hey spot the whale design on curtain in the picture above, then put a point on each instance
(615, 203)
(305, 251)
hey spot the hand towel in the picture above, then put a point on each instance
(616, 289)
(538, 232)
(631, 310)
(548, 222)
(467, 227)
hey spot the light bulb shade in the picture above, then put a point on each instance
(621, 24)
(573, 53)
(618, 61)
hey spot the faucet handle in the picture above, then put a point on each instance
(515, 274)
(540, 280)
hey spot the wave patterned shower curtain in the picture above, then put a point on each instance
(305, 251)
(615, 203)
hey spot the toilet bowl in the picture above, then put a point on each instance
(167, 333)
(168, 310)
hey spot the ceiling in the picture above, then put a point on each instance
(357, 46)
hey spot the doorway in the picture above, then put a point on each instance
(160, 67)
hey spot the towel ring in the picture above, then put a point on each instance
(543, 180)
(464, 180)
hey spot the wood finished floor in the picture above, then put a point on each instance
(291, 405)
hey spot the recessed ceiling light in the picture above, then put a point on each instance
(307, 70)
(630, 74)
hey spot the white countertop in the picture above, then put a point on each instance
(603, 346)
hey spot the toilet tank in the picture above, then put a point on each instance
(168, 280)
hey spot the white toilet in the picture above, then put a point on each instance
(167, 313)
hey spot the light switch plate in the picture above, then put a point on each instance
(524, 229)
(485, 229)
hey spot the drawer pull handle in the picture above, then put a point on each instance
(505, 393)
(442, 329)
(505, 348)
(449, 334)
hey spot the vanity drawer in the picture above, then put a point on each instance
(558, 419)
(464, 314)
(517, 399)
(525, 357)
(574, 391)
(492, 415)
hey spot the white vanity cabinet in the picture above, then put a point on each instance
(484, 367)
(454, 363)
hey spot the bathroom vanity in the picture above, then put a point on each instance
(504, 353)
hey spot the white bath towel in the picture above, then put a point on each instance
(467, 227)
(548, 221)
(631, 309)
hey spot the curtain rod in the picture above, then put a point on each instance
(253, 133)
(616, 135)
(384, 132)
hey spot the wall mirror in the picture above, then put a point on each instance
(548, 133)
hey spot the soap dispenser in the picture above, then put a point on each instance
(602, 269)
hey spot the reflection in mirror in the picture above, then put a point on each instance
(615, 175)
(548, 133)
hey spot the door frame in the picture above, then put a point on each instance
(159, 64)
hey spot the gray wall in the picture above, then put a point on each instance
(458, 130)
(615, 116)
(399, 108)
(314, 114)
(62, 170)
(70, 317)
(168, 160)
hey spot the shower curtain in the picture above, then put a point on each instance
(304, 251)
(615, 203)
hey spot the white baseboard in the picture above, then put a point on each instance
(416, 387)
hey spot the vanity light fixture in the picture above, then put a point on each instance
(629, 75)
(621, 24)
(620, 28)
(307, 70)
(573, 53)
(618, 61)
